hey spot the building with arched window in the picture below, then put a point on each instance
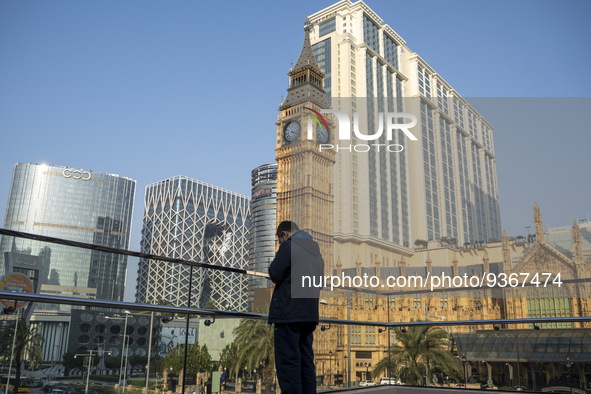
(543, 276)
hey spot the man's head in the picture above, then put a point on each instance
(285, 230)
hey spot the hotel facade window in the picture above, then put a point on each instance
(382, 74)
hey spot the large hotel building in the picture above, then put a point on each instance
(443, 185)
(430, 209)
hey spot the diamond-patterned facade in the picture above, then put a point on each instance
(191, 220)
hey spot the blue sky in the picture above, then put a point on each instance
(151, 89)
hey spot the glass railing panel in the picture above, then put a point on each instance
(530, 336)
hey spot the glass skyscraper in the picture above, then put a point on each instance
(263, 209)
(77, 205)
(191, 220)
(72, 204)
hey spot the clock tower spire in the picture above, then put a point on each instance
(304, 171)
(305, 79)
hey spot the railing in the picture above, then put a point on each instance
(357, 327)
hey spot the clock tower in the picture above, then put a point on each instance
(304, 171)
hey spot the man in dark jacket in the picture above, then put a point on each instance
(294, 308)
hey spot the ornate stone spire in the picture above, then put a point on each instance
(577, 243)
(307, 57)
(538, 223)
(429, 263)
(506, 252)
(306, 80)
(485, 260)
(339, 265)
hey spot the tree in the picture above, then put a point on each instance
(254, 343)
(112, 362)
(419, 350)
(138, 361)
(203, 362)
(27, 343)
(229, 358)
(71, 362)
(198, 359)
(421, 243)
(446, 241)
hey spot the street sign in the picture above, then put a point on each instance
(17, 283)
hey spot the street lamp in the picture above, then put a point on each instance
(149, 350)
(165, 319)
(349, 306)
(569, 364)
(518, 362)
(124, 347)
(168, 380)
(346, 359)
(389, 342)
(89, 357)
(124, 382)
(12, 351)
(465, 374)
(367, 365)
(236, 373)
(330, 367)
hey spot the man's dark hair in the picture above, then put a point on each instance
(287, 225)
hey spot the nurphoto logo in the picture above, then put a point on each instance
(391, 120)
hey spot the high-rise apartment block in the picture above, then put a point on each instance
(443, 185)
(191, 220)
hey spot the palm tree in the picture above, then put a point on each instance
(27, 344)
(254, 341)
(418, 351)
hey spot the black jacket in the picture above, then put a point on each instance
(297, 257)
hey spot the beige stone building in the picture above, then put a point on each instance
(443, 184)
(545, 276)
(421, 229)
(304, 173)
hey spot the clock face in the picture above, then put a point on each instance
(321, 134)
(291, 131)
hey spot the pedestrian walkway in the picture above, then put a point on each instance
(410, 390)
(53, 371)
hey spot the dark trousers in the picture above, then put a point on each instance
(294, 358)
